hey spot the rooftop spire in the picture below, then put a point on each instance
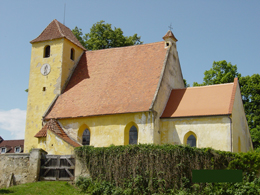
(169, 34)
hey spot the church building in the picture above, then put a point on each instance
(124, 95)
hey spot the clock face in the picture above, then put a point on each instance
(45, 69)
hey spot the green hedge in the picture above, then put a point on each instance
(157, 169)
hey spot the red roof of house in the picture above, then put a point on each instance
(110, 81)
(201, 101)
(56, 30)
(10, 145)
(53, 126)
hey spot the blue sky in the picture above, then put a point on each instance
(207, 31)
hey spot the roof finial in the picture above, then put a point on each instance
(170, 27)
(64, 13)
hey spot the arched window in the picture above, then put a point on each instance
(191, 141)
(190, 138)
(133, 135)
(86, 137)
(72, 54)
(47, 51)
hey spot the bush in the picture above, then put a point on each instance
(164, 169)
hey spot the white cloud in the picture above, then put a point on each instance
(14, 122)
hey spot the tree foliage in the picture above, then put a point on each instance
(221, 72)
(250, 91)
(102, 36)
(78, 33)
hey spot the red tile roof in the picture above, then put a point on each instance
(169, 34)
(53, 126)
(110, 81)
(56, 30)
(10, 145)
(201, 101)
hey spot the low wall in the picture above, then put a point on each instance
(20, 168)
(80, 169)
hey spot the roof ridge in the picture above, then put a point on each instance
(126, 46)
(59, 29)
(233, 95)
(214, 85)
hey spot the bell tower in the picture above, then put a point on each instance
(55, 52)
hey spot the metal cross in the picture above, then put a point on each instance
(170, 27)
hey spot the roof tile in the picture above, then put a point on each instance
(53, 126)
(200, 101)
(11, 144)
(56, 30)
(110, 81)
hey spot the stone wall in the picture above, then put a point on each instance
(20, 168)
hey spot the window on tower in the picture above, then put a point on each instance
(72, 54)
(47, 51)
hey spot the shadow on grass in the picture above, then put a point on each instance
(5, 191)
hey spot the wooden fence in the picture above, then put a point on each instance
(57, 168)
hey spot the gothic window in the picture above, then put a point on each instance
(86, 137)
(191, 141)
(133, 135)
(47, 51)
(72, 54)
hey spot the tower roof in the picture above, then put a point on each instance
(169, 34)
(56, 30)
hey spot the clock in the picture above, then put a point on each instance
(45, 69)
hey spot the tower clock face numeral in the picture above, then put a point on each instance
(45, 69)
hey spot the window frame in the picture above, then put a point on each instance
(17, 147)
(187, 135)
(72, 54)
(47, 54)
(88, 141)
(127, 133)
(3, 152)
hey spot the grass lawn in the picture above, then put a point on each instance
(41, 188)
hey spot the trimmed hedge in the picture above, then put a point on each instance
(159, 168)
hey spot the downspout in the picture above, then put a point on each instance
(231, 136)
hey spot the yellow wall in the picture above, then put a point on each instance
(110, 129)
(55, 145)
(210, 131)
(240, 132)
(39, 100)
(171, 78)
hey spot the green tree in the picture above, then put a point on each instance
(78, 33)
(250, 91)
(102, 36)
(185, 83)
(221, 72)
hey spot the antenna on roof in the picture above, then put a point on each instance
(64, 13)
(170, 27)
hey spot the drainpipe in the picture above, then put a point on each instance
(230, 132)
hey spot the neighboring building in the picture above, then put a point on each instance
(124, 95)
(11, 146)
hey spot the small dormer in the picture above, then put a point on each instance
(17, 149)
(3, 150)
(169, 39)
